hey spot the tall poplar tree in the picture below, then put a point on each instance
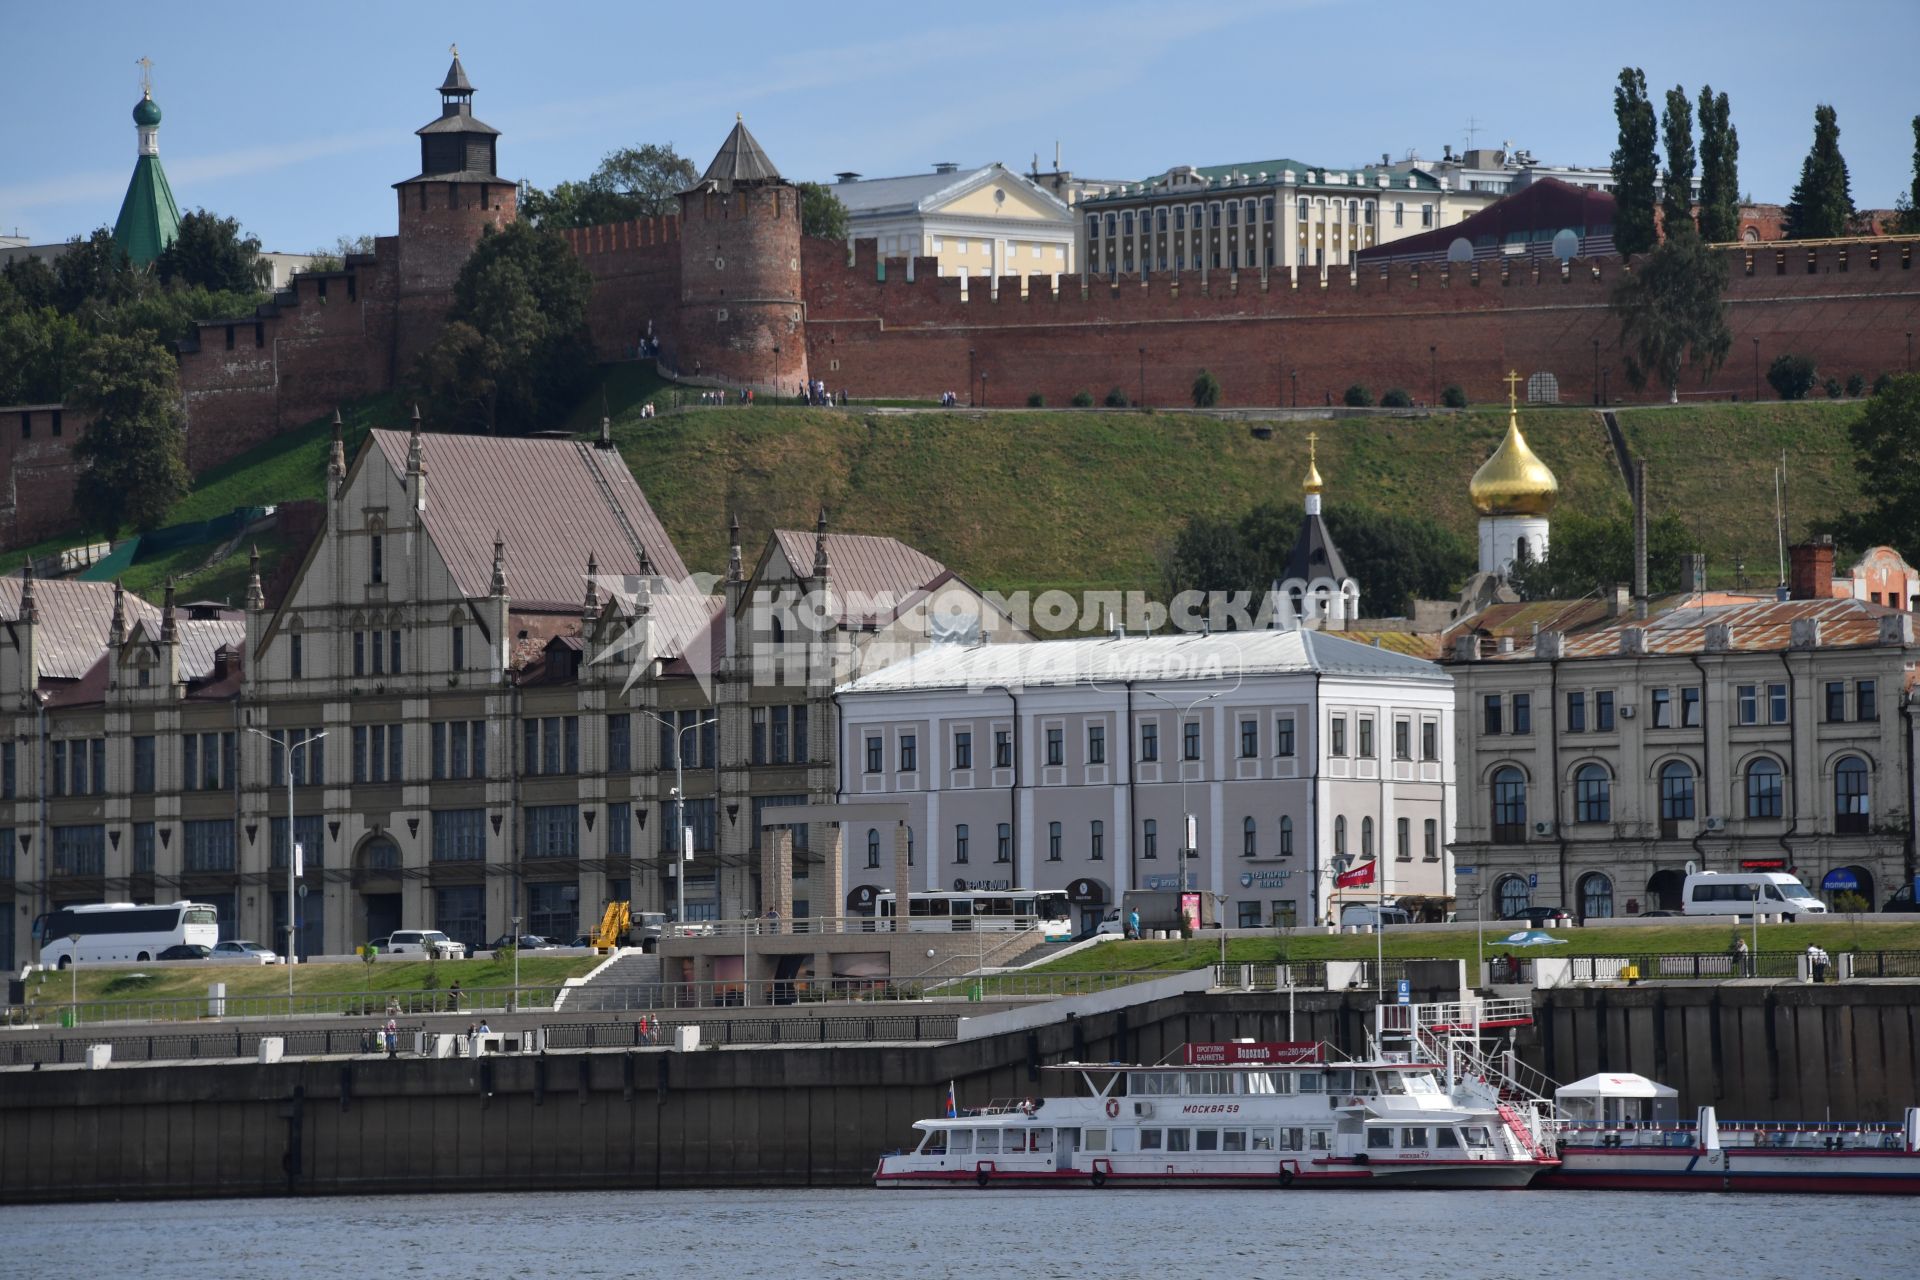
(1822, 203)
(1634, 165)
(1676, 184)
(1909, 222)
(1719, 170)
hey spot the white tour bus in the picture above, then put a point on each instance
(1002, 910)
(122, 931)
(1741, 893)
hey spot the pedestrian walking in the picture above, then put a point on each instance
(393, 1038)
(1743, 957)
(453, 997)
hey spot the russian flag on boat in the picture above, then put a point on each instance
(953, 1111)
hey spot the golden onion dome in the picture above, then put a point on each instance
(1313, 483)
(1513, 482)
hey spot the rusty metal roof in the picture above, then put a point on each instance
(554, 501)
(1754, 627)
(74, 619)
(199, 641)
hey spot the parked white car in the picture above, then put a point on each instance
(422, 942)
(240, 951)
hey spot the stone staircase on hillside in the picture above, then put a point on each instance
(631, 982)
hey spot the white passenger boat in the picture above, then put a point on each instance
(1618, 1131)
(1241, 1114)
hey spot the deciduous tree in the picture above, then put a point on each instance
(132, 455)
(1886, 446)
(1672, 312)
(1822, 202)
(1590, 551)
(1719, 170)
(211, 253)
(1634, 165)
(633, 182)
(821, 213)
(515, 351)
(1676, 183)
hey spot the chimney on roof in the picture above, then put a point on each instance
(1805, 634)
(169, 626)
(945, 166)
(845, 176)
(117, 628)
(1506, 644)
(1385, 159)
(1719, 637)
(1633, 642)
(1549, 645)
(1693, 573)
(1897, 629)
(1617, 600)
(606, 433)
(1810, 575)
(29, 611)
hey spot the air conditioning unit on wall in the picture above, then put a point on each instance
(1626, 712)
(1716, 824)
(1543, 828)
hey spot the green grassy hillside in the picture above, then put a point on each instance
(1061, 499)
(1072, 499)
(1713, 466)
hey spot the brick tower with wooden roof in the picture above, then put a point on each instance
(742, 320)
(444, 209)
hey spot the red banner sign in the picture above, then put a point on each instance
(1252, 1053)
(1763, 864)
(1362, 874)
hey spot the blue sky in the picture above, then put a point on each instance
(297, 119)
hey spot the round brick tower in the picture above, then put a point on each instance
(742, 321)
(443, 211)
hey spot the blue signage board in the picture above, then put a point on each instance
(1466, 871)
(1841, 880)
(1404, 992)
(1533, 880)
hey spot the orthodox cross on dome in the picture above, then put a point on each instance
(454, 49)
(1513, 382)
(146, 75)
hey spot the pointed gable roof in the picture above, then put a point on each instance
(456, 81)
(1314, 555)
(74, 619)
(740, 160)
(553, 501)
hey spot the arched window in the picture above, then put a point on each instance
(873, 847)
(1509, 805)
(1340, 835)
(1160, 219)
(1850, 796)
(1286, 837)
(1764, 792)
(1179, 217)
(1596, 896)
(1366, 837)
(1592, 794)
(1676, 792)
(1249, 839)
(1510, 895)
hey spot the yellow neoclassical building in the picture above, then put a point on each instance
(983, 222)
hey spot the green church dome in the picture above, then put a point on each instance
(147, 113)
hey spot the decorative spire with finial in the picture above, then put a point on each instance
(415, 466)
(1313, 483)
(169, 624)
(499, 584)
(29, 611)
(337, 455)
(117, 628)
(256, 596)
(606, 432)
(734, 572)
(820, 545)
(591, 609)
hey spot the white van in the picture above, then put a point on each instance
(1374, 913)
(1729, 893)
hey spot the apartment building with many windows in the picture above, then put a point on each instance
(1599, 763)
(1075, 765)
(482, 679)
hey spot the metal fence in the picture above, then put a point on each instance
(352, 1004)
(1722, 966)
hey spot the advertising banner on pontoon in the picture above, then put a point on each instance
(1251, 1053)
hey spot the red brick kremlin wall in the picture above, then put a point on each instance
(1847, 306)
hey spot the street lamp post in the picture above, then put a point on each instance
(293, 868)
(73, 971)
(680, 850)
(515, 1003)
(1295, 376)
(983, 388)
(1188, 829)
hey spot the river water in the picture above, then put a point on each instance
(933, 1235)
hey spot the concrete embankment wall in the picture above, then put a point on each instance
(807, 1116)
